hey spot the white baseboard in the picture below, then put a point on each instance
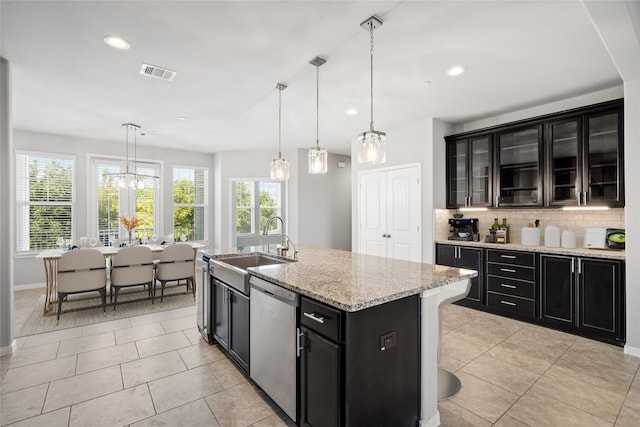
(633, 351)
(29, 286)
(9, 349)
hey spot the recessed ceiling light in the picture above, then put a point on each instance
(352, 112)
(456, 70)
(182, 118)
(117, 42)
(427, 82)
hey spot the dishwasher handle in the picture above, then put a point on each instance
(274, 291)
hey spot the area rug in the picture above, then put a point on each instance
(82, 309)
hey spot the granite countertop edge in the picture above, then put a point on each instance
(585, 252)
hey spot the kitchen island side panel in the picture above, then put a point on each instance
(382, 364)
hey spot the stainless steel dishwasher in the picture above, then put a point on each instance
(274, 342)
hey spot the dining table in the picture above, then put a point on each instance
(51, 260)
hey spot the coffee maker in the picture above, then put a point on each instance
(465, 229)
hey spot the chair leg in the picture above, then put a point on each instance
(116, 301)
(162, 291)
(193, 287)
(103, 294)
(61, 296)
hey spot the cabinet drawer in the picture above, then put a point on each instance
(321, 318)
(511, 257)
(516, 288)
(511, 271)
(510, 304)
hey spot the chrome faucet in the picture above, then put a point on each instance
(284, 239)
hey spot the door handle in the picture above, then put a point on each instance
(497, 201)
(508, 270)
(314, 316)
(508, 286)
(299, 346)
(508, 303)
(508, 256)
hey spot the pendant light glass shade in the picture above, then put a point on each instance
(372, 143)
(317, 156)
(130, 178)
(280, 166)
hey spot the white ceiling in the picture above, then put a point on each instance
(229, 56)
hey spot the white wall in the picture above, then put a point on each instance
(324, 204)
(28, 270)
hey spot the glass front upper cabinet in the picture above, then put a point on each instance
(519, 180)
(603, 182)
(469, 174)
(563, 149)
(457, 154)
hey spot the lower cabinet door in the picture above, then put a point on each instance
(221, 314)
(446, 255)
(472, 259)
(600, 290)
(320, 379)
(557, 303)
(239, 328)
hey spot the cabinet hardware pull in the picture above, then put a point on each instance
(299, 346)
(508, 270)
(314, 316)
(508, 286)
(497, 201)
(508, 303)
(508, 256)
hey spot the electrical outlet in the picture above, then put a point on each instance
(388, 341)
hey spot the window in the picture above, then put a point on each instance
(255, 203)
(112, 200)
(44, 196)
(190, 203)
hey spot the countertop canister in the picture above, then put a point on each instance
(552, 236)
(569, 239)
(530, 236)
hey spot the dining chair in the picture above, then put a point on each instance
(176, 262)
(131, 266)
(79, 271)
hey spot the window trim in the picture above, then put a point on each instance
(19, 219)
(206, 198)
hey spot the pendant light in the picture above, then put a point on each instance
(317, 155)
(372, 142)
(280, 166)
(129, 179)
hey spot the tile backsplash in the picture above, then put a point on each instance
(577, 221)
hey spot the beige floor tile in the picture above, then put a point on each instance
(100, 328)
(633, 397)
(522, 357)
(509, 377)
(227, 373)
(151, 368)
(179, 324)
(59, 418)
(18, 405)
(449, 363)
(454, 316)
(178, 389)
(463, 347)
(200, 354)
(116, 409)
(140, 332)
(546, 341)
(537, 409)
(105, 357)
(152, 318)
(606, 377)
(194, 414)
(160, 344)
(452, 415)
(80, 388)
(28, 356)
(482, 398)
(272, 421)
(193, 335)
(238, 406)
(491, 329)
(2, 373)
(55, 336)
(83, 344)
(507, 421)
(602, 403)
(628, 418)
(594, 352)
(39, 373)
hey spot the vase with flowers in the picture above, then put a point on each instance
(129, 224)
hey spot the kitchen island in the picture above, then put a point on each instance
(362, 290)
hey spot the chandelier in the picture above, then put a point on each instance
(372, 142)
(128, 178)
(280, 166)
(317, 155)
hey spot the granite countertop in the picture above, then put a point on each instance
(592, 253)
(350, 281)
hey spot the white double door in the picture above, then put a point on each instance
(389, 213)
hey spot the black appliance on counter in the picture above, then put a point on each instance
(464, 229)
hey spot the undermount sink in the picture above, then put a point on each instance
(233, 270)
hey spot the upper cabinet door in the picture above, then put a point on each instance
(603, 159)
(564, 177)
(480, 172)
(518, 178)
(457, 154)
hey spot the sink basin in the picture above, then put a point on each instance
(233, 270)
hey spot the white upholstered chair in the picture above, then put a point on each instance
(131, 266)
(82, 270)
(176, 262)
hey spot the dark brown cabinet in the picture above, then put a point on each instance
(231, 322)
(511, 282)
(584, 159)
(470, 172)
(583, 295)
(469, 258)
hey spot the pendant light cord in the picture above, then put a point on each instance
(279, 121)
(371, 52)
(317, 107)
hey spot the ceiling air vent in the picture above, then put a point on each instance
(157, 72)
